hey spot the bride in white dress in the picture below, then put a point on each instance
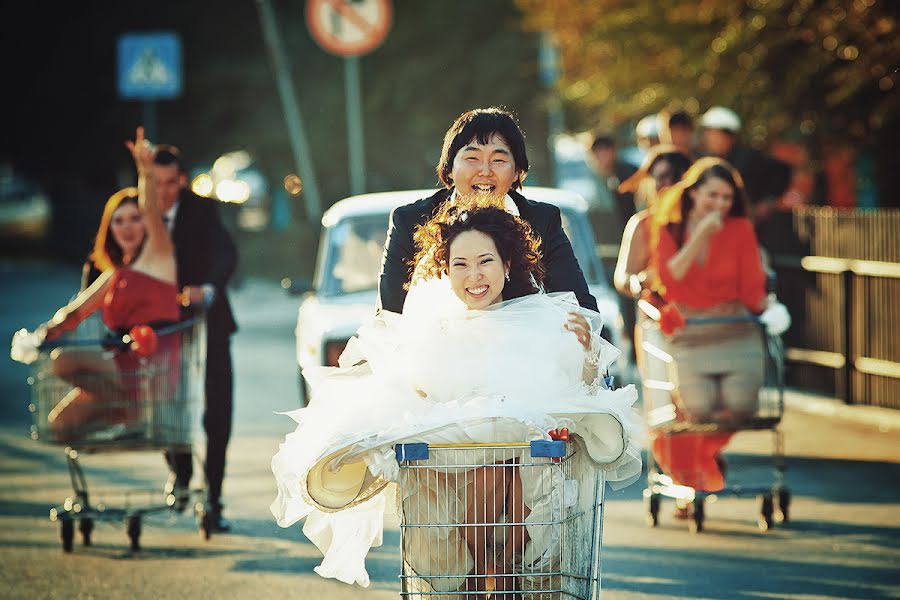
(478, 355)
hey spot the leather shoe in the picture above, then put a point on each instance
(216, 524)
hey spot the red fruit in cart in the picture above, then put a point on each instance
(670, 319)
(564, 434)
(554, 434)
(143, 340)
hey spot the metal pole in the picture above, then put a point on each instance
(548, 61)
(292, 117)
(355, 136)
(149, 120)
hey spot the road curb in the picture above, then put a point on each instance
(885, 419)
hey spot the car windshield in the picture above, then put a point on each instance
(579, 231)
(352, 255)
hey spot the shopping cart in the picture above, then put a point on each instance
(667, 420)
(144, 403)
(518, 520)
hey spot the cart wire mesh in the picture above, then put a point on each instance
(98, 395)
(519, 520)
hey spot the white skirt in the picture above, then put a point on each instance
(442, 374)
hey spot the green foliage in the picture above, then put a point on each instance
(805, 66)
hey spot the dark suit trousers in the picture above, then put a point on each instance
(217, 418)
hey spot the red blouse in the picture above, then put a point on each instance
(732, 271)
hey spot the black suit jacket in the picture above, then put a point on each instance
(562, 270)
(205, 253)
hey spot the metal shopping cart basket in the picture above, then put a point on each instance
(132, 403)
(516, 520)
(670, 424)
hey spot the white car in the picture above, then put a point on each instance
(343, 292)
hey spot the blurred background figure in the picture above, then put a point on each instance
(707, 264)
(207, 258)
(646, 135)
(610, 171)
(119, 238)
(136, 287)
(677, 129)
(765, 178)
(663, 168)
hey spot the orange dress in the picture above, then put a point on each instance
(732, 273)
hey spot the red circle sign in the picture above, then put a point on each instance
(348, 27)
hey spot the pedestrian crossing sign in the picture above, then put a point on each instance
(149, 66)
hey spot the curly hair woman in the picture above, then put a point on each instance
(479, 245)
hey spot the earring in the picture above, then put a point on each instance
(507, 275)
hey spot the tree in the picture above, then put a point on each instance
(820, 68)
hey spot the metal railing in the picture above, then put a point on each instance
(840, 278)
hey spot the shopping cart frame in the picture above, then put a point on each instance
(572, 459)
(773, 500)
(163, 424)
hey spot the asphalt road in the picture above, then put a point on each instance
(842, 542)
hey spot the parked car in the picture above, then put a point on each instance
(343, 291)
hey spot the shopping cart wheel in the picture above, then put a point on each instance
(133, 526)
(784, 503)
(698, 514)
(86, 527)
(766, 512)
(651, 504)
(67, 533)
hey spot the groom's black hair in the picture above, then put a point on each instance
(481, 124)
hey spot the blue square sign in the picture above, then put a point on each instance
(149, 65)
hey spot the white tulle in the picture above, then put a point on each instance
(442, 373)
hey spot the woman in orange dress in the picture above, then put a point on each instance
(708, 263)
(141, 290)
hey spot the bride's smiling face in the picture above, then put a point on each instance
(477, 273)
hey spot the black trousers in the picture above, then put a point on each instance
(217, 418)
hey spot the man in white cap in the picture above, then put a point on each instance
(765, 178)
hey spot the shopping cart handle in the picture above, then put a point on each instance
(721, 320)
(548, 448)
(415, 451)
(107, 341)
(112, 340)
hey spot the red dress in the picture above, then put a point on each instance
(732, 271)
(136, 298)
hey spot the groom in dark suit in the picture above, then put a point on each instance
(206, 258)
(484, 151)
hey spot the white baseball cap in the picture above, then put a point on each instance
(719, 117)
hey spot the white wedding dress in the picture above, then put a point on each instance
(442, 373)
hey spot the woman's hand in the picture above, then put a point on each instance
(578, 325)
(142, 150)
(709, 224)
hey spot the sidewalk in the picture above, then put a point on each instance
(885, 419)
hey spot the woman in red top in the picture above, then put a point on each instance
(137, 289)
(708, 264)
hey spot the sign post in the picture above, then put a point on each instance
(291, 109)
(350, 28)
(149, 69)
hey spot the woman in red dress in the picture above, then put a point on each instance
(137, 289)
(708, 263)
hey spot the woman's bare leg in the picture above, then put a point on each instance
(486, 490)
(93, 375)
(516, 534)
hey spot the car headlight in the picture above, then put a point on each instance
(333, 350)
